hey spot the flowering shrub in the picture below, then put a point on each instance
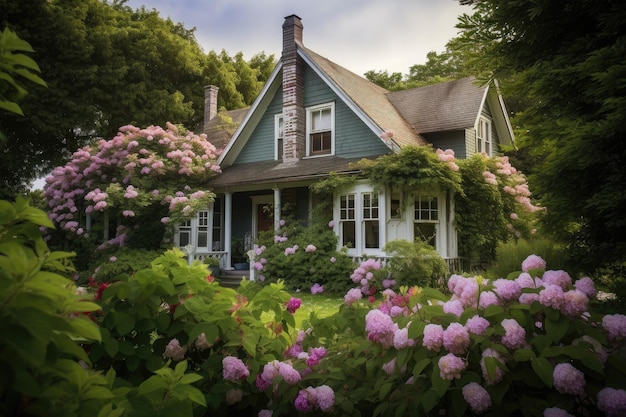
(138, 176)
(304, 258)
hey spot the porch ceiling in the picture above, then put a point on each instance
(278, 171)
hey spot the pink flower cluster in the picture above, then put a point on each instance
(380, 327)
(364, 275)
(272, 370)
(612, 401)
(615, 325)
(234, 369)
(568, 379)
(556, 412)
(310, 248)
(293, 304)
(514, 334)
(477, 397)
(447, 156)
(451, 366)
(317, 289)
(313, 398)
(533, 262)
(135, 156)
(175, 351)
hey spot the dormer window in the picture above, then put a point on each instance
(483, 136)
(320, 130)
(279, 134)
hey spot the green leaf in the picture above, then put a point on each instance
(556, 329)
(523, 355)
(420, 366)
(86, 328)
(543, 369)
(187, 392)
(189, 378)
(429, 400)
(124, 322)
(154, 383)
(493, 310)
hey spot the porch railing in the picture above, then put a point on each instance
(201, 256)
(455, 265)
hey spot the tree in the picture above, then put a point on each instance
(567, 59)
(108, 65)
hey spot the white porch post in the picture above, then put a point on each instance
(277, 203)
(228, 228)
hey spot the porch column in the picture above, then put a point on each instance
(277, 208)
(228, 228)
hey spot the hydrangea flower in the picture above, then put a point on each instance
(433, 337)
(568, 379)
(477, 397)
(615, 325)
(293, 304)
(456, 338)
(234, 369)
(556, 412)
(175, 351)
(352, 296)
(477, 325)
(380, 327)
(514, 336)
(451, 366)
(317, 289)
(612, 401)
(533, 262)
(498, 375)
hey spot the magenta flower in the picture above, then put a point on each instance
(234, 369)
(289, 374)
(293, 304)
(568, 379)
(477, 397)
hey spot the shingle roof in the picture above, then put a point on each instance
(219, 134)
(370, 98)
(271, 171)
(440, 107)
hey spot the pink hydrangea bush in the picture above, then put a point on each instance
(124, 175)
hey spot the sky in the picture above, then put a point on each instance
(360, 35)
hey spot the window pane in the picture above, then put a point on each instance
(425, 232)
(203, 239)
(348, 234)
(183, 238)
(371, 234)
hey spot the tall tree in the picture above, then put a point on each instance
(107, 66)
(567, 58)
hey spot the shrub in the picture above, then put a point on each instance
(510, 254)
(415, 263)
(303, 256)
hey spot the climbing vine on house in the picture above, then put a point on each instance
(491, 197)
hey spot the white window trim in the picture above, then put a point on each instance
(488, 135)
(359, 248)
(277, 151)
(440, 239)
(330, 105)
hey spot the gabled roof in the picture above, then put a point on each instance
(220, 131)
(441, 107)
(367, 100)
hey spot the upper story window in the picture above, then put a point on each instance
(279, 133)
(320, 128)
(484, 136)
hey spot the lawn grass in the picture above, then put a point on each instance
(324, 305)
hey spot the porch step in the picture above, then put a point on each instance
(232, 278)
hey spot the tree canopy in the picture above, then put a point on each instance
(107, 66)
(567, 60)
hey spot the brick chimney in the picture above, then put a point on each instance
(210, 104)
(294, 117)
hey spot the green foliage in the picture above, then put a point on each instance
(415, 263)
(413, 168)
(283, 256)
(136, 67)
(570, 126)
(42, 318)
(111, 264)
(15, 66)
(510, 254)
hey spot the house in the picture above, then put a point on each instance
(313, 117)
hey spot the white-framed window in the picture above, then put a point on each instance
(426, 219)
(395, 205)
(320, 130)
(205, 231)
(484, 136)
(279, 134)
(359, 214)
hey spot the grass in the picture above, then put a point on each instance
(324, 305)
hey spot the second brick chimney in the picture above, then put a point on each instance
(210, 104)
(294, 117)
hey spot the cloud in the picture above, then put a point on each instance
(360, 35)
